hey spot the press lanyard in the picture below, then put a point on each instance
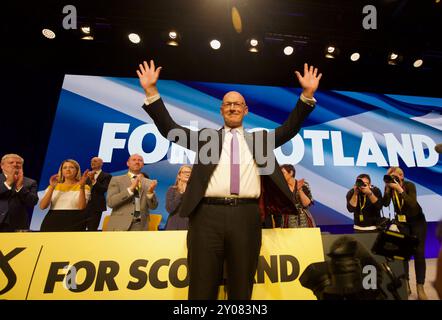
(362, 206)
(400, 204)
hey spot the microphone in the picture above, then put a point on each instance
(438, 148)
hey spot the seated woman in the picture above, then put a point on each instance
(303, 199)
(66, 195)
(173, 200)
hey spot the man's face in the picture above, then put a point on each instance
(11, 165)
(96, 163)
(135, 163)
(233, 109)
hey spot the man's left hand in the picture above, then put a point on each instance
(310, 81)
(152, 186)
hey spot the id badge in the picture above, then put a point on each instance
(402, 218)
(137, 204)
(361, 218)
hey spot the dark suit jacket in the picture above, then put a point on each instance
(201, 172)
(97, 203)
(14, 206)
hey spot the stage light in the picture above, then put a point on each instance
(418, 63)
(394, 58)
(215, 44)
(355, 56)
(253, 45)
(86, 29)
(173, 35)
(331, 52)
(87, 38)
(288, 50)
(173, 39)
(134, 38)
(236, 20)
(48, 33)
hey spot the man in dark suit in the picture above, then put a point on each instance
(222, 197)
(18, 195)
(98, 180)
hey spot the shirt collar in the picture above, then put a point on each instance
(239, 130)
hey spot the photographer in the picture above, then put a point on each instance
(365, 201)
(410, 220)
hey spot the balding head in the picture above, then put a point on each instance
(96, 163)
(233, 109)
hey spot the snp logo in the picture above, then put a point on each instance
(6, 268)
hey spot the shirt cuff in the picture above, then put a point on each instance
(130, 192)
(149, 195)
(7, 186)
(18, 189)
(150, 100)
(310, 101)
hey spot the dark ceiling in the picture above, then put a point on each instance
(409, 27)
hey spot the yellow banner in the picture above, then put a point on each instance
(139, 265)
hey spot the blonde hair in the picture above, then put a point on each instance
(12, 155)
(76, 165)
(395, 169)
(179, 171)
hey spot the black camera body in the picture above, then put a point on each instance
(389, 178)
(360, 183)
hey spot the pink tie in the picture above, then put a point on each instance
(234, 163)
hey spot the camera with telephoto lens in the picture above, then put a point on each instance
(360, 183)
(389, 178)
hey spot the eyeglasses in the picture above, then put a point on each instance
(234, 104)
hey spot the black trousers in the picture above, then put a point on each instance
(219, 233)
(417, 228)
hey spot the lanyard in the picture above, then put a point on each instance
(400, 204)
(362, 204)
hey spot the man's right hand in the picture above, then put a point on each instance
(135, 183)
(148, 76)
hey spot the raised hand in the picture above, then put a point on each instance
(148, 76)
(83, 178)
(20, 178)
(135, 182)
(53, 180)
(310, 81)
(300, 183)
(152, 186)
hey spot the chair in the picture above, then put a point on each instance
(154, 222)
(105, 222)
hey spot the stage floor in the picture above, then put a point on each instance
(430, 277)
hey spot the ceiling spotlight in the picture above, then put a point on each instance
(173, 39)
(253, 45)
(355, 56)
(134, 38)
(236, 20)
(86, 29)
(331, 52)
(215, 44)
(288, 50)
(87, 38)
(48, 33)
(394, 58)
(418, 63)
(173, 35)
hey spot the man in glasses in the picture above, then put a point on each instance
(222, 196)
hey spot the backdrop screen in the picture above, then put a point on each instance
(348, 133)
